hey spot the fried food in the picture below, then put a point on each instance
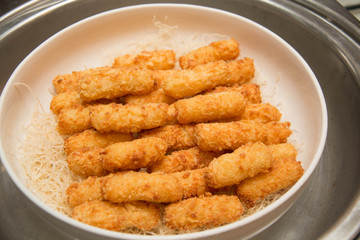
(245, 162)
(93, 138)
(284, 173)
(141, 186)
(128, 118)
(115, 82)
(74, 120)
(219, 50)
(186, 83)
(70, 82)
(64, 100)
(132, 155)
(177, 136)
(283, 150)
(250, 91)
(210, 107)
(156, 96)
(231, 135)
(153, 60)
(263, 112)
(202, 212)
(117, 217)
(193, 182)
(182, 160)
(86, 162)
(87, 190)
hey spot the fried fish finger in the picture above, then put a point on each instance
(141, 186)
(250, 91)
(210, 107)
(203, 212)
(231, 135)
(74, 120)
(117, 217)
(93, 138)
(153, 60)
(156, 96)
(219, 50)
(263, 112)
(86, 162)
(128, 118)
(182, 160)
(246, 161)
(115, 82)
(64, 100)
(132, 155)
(177, 136)
(284, 173)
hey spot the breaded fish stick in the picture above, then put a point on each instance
(128, 118)
(246, 161)
(193, 183)
(115, 82)
(86, 162)
(284, 173)
(219, 50)
(142, 186)
(187, 83)
(177, 136)
(156, 96)
(132, 155)
(231, 135)
(210, 107)
(64, 100)
(87, 190)
(93, 138)
(283, 150)
(74, 120)
(263, 112)
(203, 212)
(182, 160)
(116, 217)
(153, 60)
(250, 91)
(70, 82)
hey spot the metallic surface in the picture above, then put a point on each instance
(322, 32)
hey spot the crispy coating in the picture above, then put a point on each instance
(284, 173)
(203, 212)
(210, 107)
(70, 82)
(128, 118)
(153, 60)
(87, 190)
(264, 112)
(246, 161)
(231, 135)
(193, 182)
(64, 100)
(74, 120)
(116, 217)
(86, 162)
(93, 138)
(156, 96)
(189, 82)
(177, 136)
(182, 160)
(141, 186)
(283, 150)
(132, 155)
(250, 91)
(115, 82)
(219, 50)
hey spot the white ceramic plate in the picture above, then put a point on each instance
(94, 41)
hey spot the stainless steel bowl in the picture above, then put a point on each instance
(321, 31)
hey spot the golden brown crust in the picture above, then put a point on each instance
(202, 212)
(133, 155)
(250, 91)
(219, 50)
(64, 100)
(246, 161)
(231, 135)
(93, 138)
(156, 96)
(74, 120)
(263, 112)
(117, 217)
